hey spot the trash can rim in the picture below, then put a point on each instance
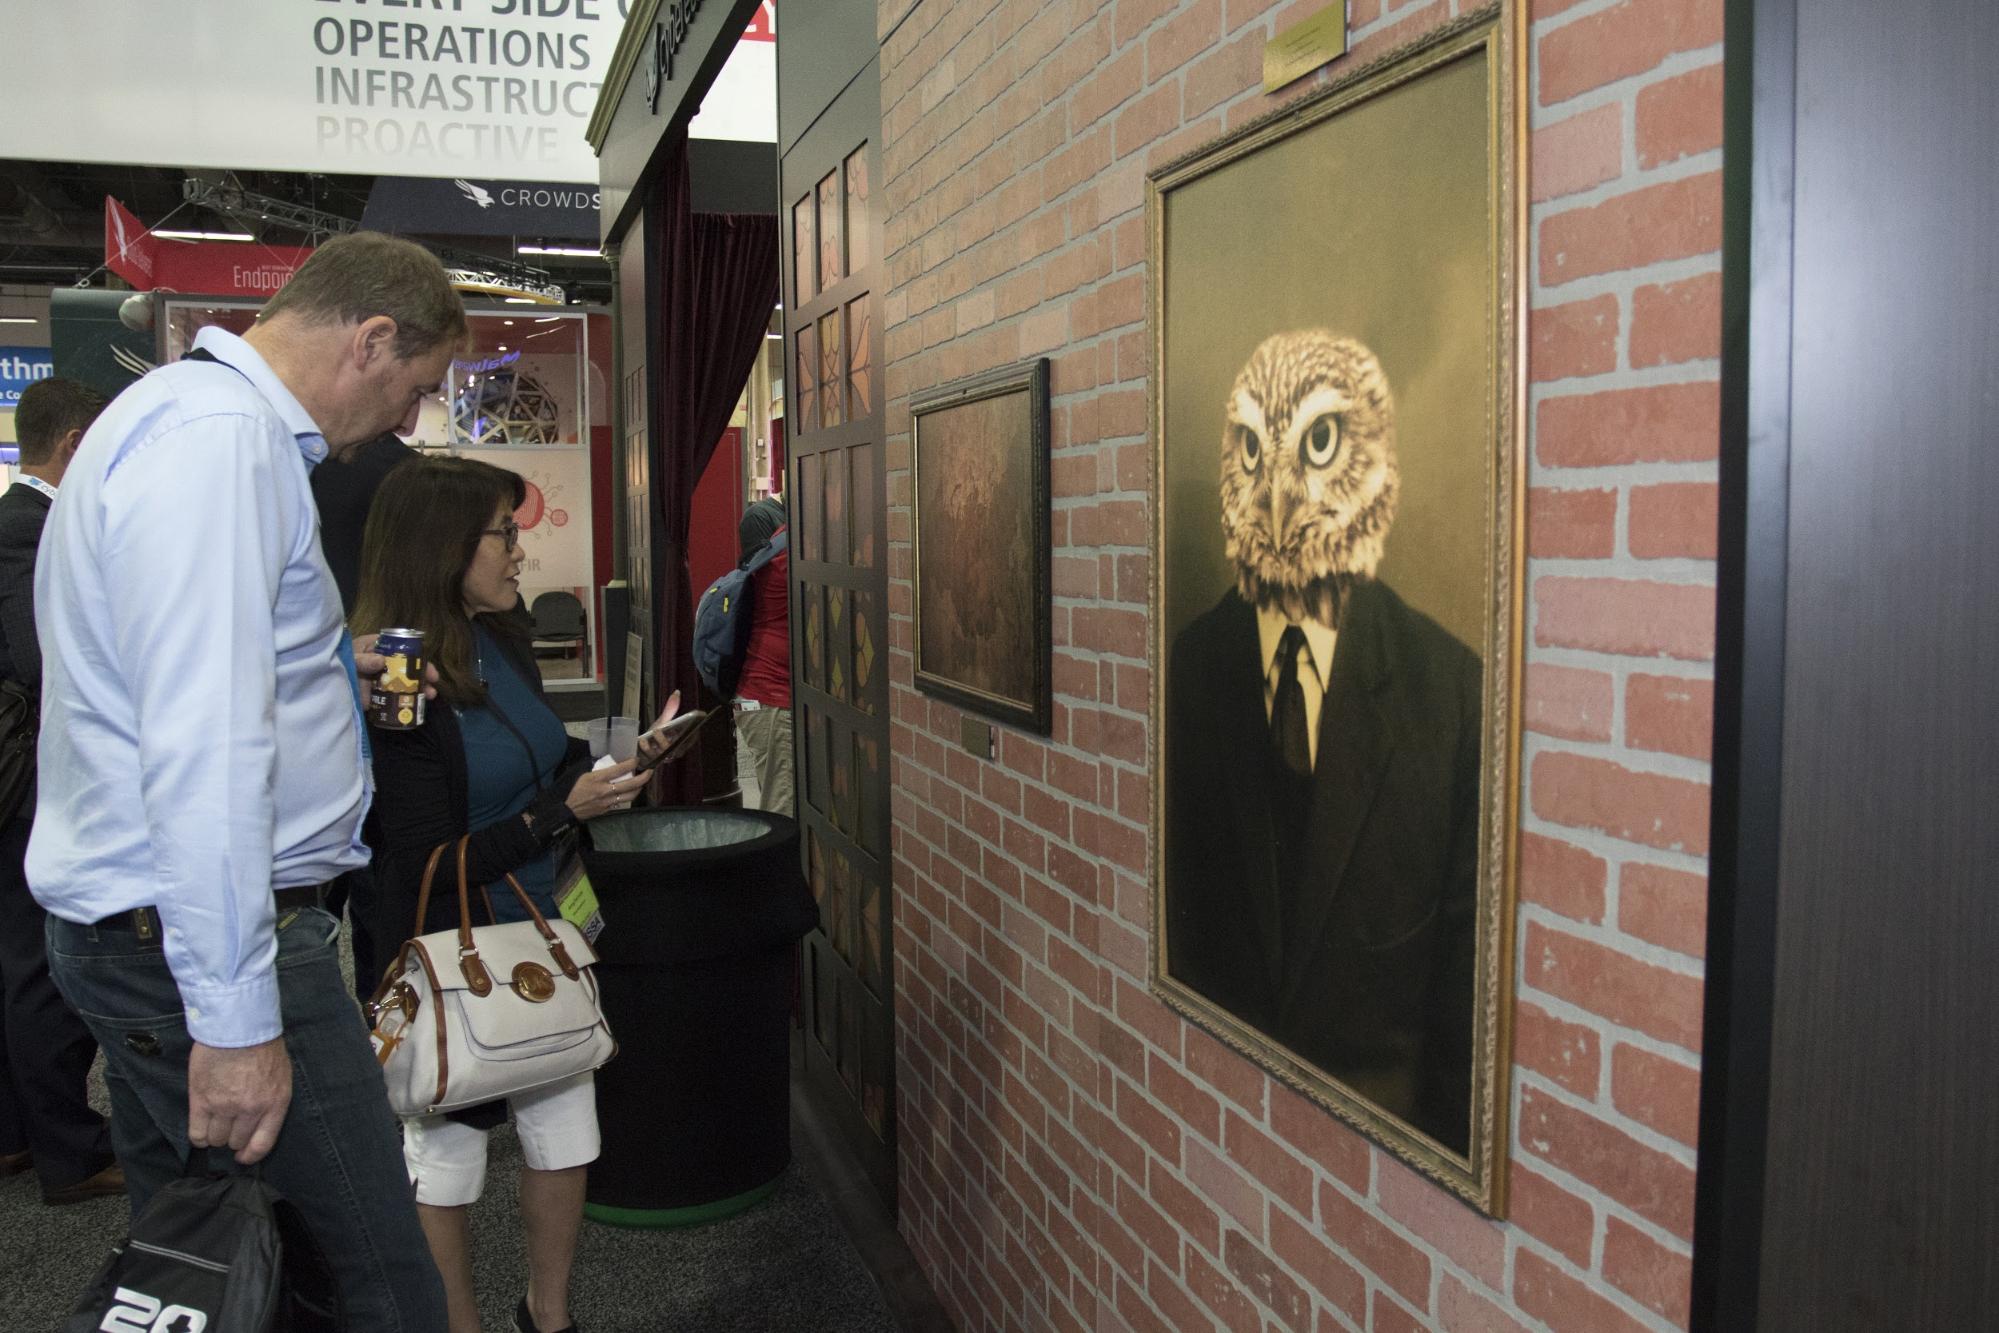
(777, 828)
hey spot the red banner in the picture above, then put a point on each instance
(227, 268)
(130, 250)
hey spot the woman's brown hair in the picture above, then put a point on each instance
(426, 525)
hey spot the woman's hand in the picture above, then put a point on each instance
(602, 790)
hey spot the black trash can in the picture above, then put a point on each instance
(702, 909)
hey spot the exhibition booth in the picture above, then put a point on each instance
(530, 393)
(366, 100)
(691, 225)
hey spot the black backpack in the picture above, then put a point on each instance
(222, 1254)
(722, 620)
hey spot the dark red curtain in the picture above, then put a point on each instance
(718, 284)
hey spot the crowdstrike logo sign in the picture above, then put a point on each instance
(476, 193)
(577, 198)
(136, 1312)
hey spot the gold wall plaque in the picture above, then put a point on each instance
(1303, 47)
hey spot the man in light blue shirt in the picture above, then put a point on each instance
(204, 766)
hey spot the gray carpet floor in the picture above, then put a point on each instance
(784, 1266)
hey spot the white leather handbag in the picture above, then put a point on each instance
(474, 1014)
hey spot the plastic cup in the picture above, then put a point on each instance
(599, 733)
(623, 738)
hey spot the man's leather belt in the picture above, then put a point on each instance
(145, 921)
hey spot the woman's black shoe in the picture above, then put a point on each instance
(524, 1322)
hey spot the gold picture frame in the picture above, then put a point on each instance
(1337, 321)
(982, 600)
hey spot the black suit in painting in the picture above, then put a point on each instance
(1335, 912)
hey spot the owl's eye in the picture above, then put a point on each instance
(1251, 447)
(1322, 440)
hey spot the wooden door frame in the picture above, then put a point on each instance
(1753, 528)
(824, 140)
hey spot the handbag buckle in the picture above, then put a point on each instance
(400, 998)
(533, 983)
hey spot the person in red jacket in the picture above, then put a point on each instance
(763, 690)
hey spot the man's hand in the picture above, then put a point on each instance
(238, 1097)
(369, 664)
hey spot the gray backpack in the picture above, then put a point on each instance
(722, 620)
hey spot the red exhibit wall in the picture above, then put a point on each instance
(718, 508)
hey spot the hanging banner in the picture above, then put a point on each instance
(224, 268)
(228, 269)
(483, 207)
(130, 250)
(445, 88)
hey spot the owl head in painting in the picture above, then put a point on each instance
(1309, 480)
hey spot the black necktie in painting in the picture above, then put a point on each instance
(1287, 711)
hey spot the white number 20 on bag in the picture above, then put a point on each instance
(136, 1312)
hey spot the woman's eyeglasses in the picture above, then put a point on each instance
(509, 529)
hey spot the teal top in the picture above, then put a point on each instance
(506, 767)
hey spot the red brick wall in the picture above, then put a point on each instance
(1073, 1154)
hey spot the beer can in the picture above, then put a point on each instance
(395, 698)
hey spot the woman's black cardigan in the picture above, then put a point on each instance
(421, 803)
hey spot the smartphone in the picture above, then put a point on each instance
(675, 738)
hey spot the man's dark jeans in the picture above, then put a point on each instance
(338, 1158)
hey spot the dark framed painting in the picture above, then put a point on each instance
(980, 514)
(1339, 478)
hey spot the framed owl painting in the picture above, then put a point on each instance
(1336, 308)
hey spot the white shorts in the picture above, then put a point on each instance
(557, 1127)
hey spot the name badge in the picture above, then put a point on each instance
(577, 901)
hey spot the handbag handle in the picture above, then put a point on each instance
(423, 893)
(395, 967)
(477, 979)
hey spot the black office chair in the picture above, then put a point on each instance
(559, 623)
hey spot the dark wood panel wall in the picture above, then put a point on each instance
(1849, 1175)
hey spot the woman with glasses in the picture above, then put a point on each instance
(441, 553)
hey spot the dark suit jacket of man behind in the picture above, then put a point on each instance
(45, 1050)
(343, 490)
(1361, 960)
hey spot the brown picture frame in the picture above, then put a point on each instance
(1342, 913)
(979, 515)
